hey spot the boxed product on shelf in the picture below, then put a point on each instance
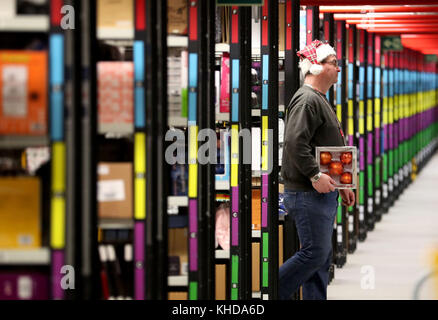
(340, 163)
(114, 190)
(177, 17)
(26, 7)
(225, 83)
(223, 153)
(115, 96)
(281, 25)
(23, 92)
(20, 213)
(255, 266)
(256, 209)
(177, 238)
(177, 295)
(177, 73)
(221, 282)
(179, 175)
(115, 16)
(174, 266)
(16, 285)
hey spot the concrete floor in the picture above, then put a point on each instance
(399, 251)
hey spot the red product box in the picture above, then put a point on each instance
(340, 163)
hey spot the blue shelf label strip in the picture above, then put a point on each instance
(193, 84)
(265, 79)
(235, 92)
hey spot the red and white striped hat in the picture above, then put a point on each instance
(312, 55)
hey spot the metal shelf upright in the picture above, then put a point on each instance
(370, 218)
(88, 142)
(58, 147)
(377, 129)
(361, 201)
(150, 168)
(291, 84)
(351, 125)
(390, 131)
(240, 223)
(269, 174)
(396, 124)
(200, 116)
(341, 108)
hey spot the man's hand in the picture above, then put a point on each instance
(325, 184)
(347, 196)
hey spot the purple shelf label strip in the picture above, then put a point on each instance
(370, 149)
(265, 181)
(193, 234)
(377, 142)
(139, 261)
(350, 141)
(403, 130)
(385, 138)
(362, 155)
(57, 263)
(235, 216)
(390, 136)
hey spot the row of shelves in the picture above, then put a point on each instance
(174, 121)
(39, 23)
(182, 281)
(42, 256)
(9, 142)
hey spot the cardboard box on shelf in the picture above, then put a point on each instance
(177, 17)
(256, 209)
(115, 14)
(20, 213)
(281, 32)
(221, 282)
(177, 296)
(115, 190)
(177, 238)
(23, 92)
(255, 266)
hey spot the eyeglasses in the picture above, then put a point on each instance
(333, 62)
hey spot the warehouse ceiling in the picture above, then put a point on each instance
(417, 25)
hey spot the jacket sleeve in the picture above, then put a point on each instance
(301, 126)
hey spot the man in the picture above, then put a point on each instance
(310, 197)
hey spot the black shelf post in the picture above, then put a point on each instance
(90, 269)
(291, 84)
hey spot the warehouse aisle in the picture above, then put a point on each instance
(399, 251)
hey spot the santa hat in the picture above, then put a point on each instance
(312, 55)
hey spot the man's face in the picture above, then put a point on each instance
(330, 69)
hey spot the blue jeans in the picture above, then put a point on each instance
(314, 214)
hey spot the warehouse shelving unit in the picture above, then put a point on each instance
(385, 100)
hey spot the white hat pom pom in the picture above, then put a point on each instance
(315, 69)
(305, 66)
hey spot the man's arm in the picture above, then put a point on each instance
(300, 128)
